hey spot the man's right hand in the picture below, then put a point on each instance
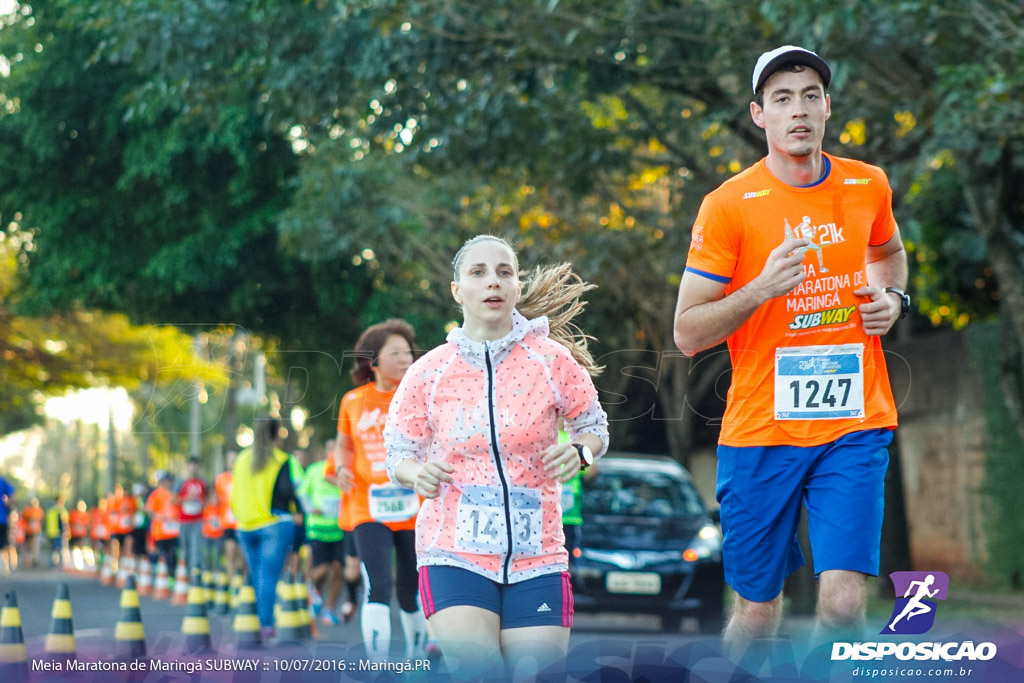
(783, 270)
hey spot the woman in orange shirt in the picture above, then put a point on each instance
(381, 514)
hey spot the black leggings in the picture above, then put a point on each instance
(375, 541)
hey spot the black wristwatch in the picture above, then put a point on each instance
(586, 456)
(904, 300)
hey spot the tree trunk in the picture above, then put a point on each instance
(985, 192)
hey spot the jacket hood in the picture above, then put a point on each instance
(473, 351)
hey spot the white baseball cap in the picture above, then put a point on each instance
(788, 55)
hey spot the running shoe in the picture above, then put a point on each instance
(329, 618)
(348, 611)
(433, 650)
(267, 633)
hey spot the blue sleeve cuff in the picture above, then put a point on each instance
(711, 276)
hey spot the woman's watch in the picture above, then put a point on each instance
(586, 456)
(904, 300)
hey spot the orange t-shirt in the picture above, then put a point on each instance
(164, 523)
(361, 418)
(33, 516)
(211, 521)
(222, 485)
(122, 514)
(79, 523)
(100, 525)
(804, 373)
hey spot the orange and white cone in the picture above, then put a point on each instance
(162, 584)
(145, 577)
(180, 596)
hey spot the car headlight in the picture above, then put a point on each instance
(705, 544)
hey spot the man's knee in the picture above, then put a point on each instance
(842, 600)
(757, 617)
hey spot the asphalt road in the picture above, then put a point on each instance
(96, 610)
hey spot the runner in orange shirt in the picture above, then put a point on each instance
(222, 486)
(213, 533)
(809, 413)
(381, 514)
(164, 519)
(99, 530)
(32, 514)
(78, 540)
(121, 509)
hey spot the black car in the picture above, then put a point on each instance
(648, 544)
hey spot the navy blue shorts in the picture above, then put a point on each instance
(543, 601)
(760, 491)
(326, 552)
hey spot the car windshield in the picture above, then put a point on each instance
(640, 494)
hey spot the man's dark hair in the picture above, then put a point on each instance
(791, 68)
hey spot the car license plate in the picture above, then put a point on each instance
(637, 583)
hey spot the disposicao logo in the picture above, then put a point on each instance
(914, 613)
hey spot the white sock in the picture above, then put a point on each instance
(414, 626)
(376, 624)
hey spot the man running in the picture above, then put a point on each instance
(809, 413)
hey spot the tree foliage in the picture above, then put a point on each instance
(302, 169)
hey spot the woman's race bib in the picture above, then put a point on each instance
(138, 519)
(390, 503)
(192, 507)
(481, 521)
(172, 527)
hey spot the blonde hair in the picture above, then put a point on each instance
(552, 291)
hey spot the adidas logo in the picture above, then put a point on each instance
(544, 608)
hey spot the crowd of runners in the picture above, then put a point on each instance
(444, 486)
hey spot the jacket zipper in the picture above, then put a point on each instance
(497, 460)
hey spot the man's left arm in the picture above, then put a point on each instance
(886, 267)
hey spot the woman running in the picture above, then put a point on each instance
(474, 430)
(381, 514)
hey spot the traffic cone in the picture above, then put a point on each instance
(60, 641)
(196, 625)
(222, 598)
(246, 624)
(309, 629)
(129, 635)
(145, 577)
(162, 585)
(181, 587)
(126, 566)
(237, 581)
(288, 621)
(211, 594)
(13, 662)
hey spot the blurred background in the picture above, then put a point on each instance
(203, 203)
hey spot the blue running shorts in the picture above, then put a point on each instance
(760, 490)
(542, 601)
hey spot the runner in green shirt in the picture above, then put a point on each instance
(322, 499)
